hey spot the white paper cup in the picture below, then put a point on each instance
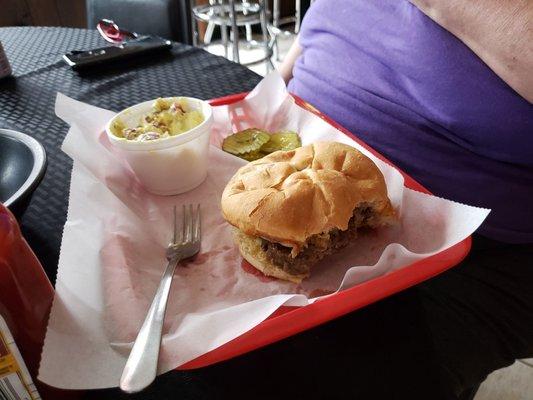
(170, 165)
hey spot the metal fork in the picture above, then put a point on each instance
(141, 367)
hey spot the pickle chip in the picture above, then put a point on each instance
(247, 141)
(283, 140)
(252, 155)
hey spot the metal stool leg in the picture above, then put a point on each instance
(195, 32)
(223, 32)
(194, 26)
(249, 37)
(298, 14)
(248, 27)
(210, 27)
(275, 48)
(275, 12)
(264, 31)
(224, 35)
(234, 31)
(209, 32)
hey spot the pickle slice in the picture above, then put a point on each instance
(283, 140)
(252, 155)
(245, 141)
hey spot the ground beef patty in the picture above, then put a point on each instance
(319, 246)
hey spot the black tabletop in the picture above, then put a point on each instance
(345, 358)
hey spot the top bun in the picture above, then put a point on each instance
(288, 196)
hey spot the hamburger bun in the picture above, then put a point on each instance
(288, 197)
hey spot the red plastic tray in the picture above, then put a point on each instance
(288, 321)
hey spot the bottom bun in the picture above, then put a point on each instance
(250, 248)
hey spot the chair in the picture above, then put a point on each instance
(232, 14)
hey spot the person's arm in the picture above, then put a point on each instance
(499, 32)
(285, 69)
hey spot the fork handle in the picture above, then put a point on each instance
(141, 367)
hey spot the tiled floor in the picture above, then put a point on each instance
(250, 54)
(511, 383)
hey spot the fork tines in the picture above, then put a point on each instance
(191, 225)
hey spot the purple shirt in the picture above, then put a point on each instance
(417, 94)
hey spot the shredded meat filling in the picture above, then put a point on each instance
(319, 246)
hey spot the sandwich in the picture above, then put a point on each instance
(291, 209)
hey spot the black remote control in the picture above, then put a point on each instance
(144, 44)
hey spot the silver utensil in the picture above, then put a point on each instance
(141, 367)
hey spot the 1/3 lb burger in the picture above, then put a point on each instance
(291, 209)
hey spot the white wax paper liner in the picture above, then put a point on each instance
(112, 253)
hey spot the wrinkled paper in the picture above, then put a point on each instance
(114, 240)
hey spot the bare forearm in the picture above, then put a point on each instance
(285, 69)
(498, 31)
